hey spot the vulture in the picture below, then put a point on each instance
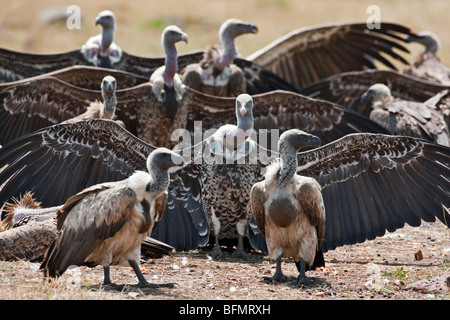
(307, 55)
(24, 235)
(428, 65)
(226, 182)
(370, 182)
(98, 51)
(42, 102)
(105, 224)
(101, 110)
(347, 88)
(216, 74)
(43, 112)
(289, 210)
(28, 229)
(67, 158)
(406, 117)
(166, 83)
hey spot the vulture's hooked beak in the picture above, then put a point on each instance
(243, 110)
(184, 38)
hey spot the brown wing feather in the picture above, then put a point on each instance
(257, 198)
(87, 219)
(300, 55)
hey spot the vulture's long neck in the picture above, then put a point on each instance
(171, 63)
(107, 39)
(244, 123)
(229, 51)
(109, 105)
(288, 163)
(159, 181)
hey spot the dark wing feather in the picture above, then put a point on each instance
(59, 161)
(85, 221)
(307, 55)
(347, 88)
(29, 65)
(38, 103)
(281, 110)
(145, 66)
(373, 183)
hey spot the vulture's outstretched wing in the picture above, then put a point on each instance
(38, 103)
(307, 55)
(29, 65)
(373, 183)
(280, 110)
(58, 161)
(347, 88)
(41, 102)
(86, 77)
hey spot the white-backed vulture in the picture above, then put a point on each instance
(26, 235)
(407, 118)
(428, 65)
(226, 183)
(38, 103)
(27, 230)
(43, 108)
(347, 88)
(167, 84)
(101, 110)
(216, 74)
(371, 181)
(289, 209)
(106, 224)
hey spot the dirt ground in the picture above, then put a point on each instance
(411, 263)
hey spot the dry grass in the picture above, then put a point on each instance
(382, 269)
(140, 22)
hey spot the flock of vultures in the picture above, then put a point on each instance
(329, 136)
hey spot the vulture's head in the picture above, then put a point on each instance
(163, 159)
(377, 93)
(431, 41)
(172, 34)
(244, 106)
(296, 139)
(233, 28)
(109, 85)
(106, 19)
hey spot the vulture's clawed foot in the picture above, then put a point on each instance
(277, 277)
(304, 281)
(216, 252)
(240, 253)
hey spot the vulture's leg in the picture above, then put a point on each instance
(137, 270)
(216, 251)
(106, 278)
(302, 279)
(240, 250)
(278, 275)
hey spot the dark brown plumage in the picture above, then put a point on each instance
(428, 65)
(216, 74)
(289, 209)
(106, 224)
(407, 118)
(307, 55)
